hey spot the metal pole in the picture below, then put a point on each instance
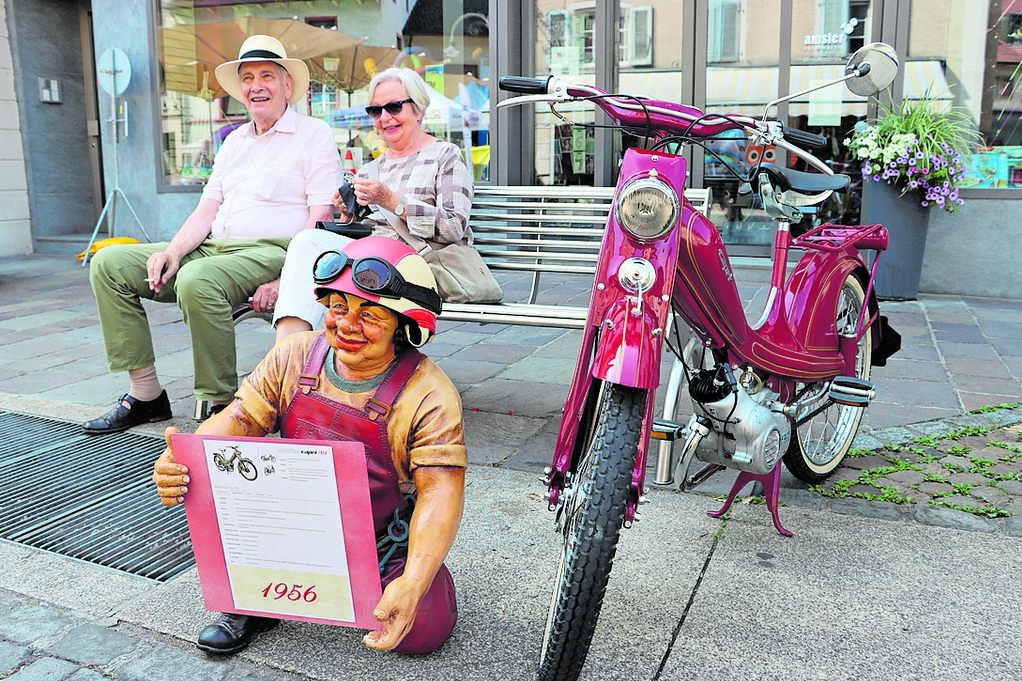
(112, 196)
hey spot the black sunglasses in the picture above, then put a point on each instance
(375, 276)
(393, 108)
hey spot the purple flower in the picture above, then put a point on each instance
(919, 154)
(925, 204)
(940, 200)
(876, 178)
(913, 184)
(953, 195)
(960, 202)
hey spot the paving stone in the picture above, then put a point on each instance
(86, 675)
(968, 479)
(958, 462)
(1003, 469)
(959, 500)
(12, 656)
(989, 495)
(907, 477)
(29, 623)
(950, 517)
(1013, 487)
(884, 510)
(932, 488)
(92, 644)
(1013, 526)
(170, 664)
(45, 669)
(861, 463)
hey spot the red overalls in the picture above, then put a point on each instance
(310, 416)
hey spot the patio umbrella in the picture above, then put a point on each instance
(192, 52)
(351, 68)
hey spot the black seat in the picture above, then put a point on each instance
(814, 183)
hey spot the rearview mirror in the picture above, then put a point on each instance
(875, 66)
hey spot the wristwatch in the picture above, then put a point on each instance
(399, 209)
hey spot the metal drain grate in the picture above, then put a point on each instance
(90, 498)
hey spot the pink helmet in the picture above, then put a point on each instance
(386, 272)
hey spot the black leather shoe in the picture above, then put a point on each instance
(231, 633)
(121, 417)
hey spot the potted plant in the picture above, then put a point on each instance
(912, 162)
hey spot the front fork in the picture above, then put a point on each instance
(622, 344)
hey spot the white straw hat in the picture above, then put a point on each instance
(263, 48)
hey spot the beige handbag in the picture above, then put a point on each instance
(459, 270)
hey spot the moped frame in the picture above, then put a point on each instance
(795, 341)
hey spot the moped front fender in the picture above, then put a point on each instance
(631, 340)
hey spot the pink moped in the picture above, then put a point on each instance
(789, 387)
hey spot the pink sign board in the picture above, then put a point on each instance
(282, 528)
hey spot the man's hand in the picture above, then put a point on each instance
(397, 610)
(170, 477)
(160, 267)
(265, 297)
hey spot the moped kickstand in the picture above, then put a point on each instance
(771, 483)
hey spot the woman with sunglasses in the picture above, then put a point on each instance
(420, 180)
(363, 379)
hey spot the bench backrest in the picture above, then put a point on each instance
(547, 229)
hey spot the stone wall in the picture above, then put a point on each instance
(15, 226)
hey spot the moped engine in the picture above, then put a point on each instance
(747, 433)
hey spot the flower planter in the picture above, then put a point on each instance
(906, 221)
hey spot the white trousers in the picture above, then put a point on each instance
(296, 296)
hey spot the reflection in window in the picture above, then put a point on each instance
(344, 45)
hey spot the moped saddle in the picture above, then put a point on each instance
(805, 183)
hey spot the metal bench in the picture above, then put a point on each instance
(534, 230)
(540, 230)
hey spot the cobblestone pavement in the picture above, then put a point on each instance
(40, 642)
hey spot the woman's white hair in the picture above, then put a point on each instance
(412, 82)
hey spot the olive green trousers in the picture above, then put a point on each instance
(211, 282)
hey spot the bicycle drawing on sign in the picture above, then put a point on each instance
(224, 463)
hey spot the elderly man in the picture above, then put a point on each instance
(273, 177)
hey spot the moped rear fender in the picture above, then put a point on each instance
(810, 301)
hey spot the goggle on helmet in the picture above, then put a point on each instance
(386, 272)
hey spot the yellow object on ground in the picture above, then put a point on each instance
(103, 243)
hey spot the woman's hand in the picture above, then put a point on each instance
(368, 191)
(170, 477)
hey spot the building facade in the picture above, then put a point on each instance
(719, 55)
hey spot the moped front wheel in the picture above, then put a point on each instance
(820, 443)
(593, 513)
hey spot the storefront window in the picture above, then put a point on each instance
(824, 36)
(344, 43)
(973, 53)
(649, 59)
(742, 53)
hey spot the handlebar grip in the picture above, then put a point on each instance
(529, 86)
(806, 140)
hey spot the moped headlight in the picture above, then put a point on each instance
(647, 208)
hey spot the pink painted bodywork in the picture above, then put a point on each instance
(796, 343)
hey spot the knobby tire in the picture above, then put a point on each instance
(592, 518)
